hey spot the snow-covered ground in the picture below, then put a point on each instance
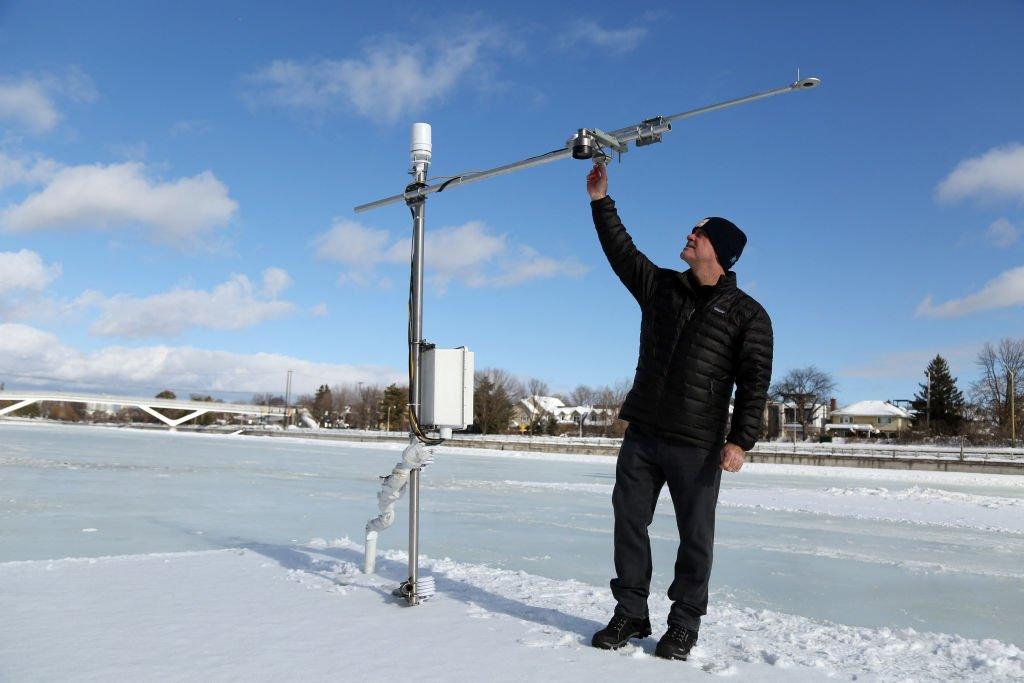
(152, 555)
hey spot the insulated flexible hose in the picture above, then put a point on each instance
(392, 487)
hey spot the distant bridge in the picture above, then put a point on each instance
(150, 405)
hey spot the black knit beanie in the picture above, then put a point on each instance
(726, 238)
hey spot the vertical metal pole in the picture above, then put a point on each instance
(287, 398)
(1013, 411)
(418, 211)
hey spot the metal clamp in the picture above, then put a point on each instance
(649, 131)
(417, 198)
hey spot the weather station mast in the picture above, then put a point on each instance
(441, 380)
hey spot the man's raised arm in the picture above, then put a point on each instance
(634, 269)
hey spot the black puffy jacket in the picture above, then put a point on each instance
(695, 343)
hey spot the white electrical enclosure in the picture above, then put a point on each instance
(446, 392)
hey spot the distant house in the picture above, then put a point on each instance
(782, 419)
(870, 418)
(532, 408)
(540, 407)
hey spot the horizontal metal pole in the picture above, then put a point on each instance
(626, 135)
(629, 133)
(467, 178)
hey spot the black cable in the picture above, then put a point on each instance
(414, 421)
(449, 182)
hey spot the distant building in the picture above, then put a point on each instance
(100, 409)
(532, 408)
(870, 418)
(782, 420)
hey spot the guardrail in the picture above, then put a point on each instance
(765, 451)
(893, 451)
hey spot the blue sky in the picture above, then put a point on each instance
(177, 183)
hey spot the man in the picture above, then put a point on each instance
(699, 334)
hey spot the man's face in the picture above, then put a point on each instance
(698, 249)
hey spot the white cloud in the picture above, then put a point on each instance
(39, 358)
(232, 305)
(1002, 292)
(24, 270)
(615, 40)
(275, 281)
(459, 252)
(996, 174)
(29, 102)
(318, 311)
(1003, 233)
(389, 80)
(354, 244)
(25, 170)
(530, 265)
(177, 211)
(471, 253)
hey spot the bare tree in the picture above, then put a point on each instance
(990, 392)
(506, 382)
(582, 395)
(364, 404)
(809, 389)
(267, 400)
(620, 390)
(537, 387)
(344, 397)
(604, 402)
(539, 417)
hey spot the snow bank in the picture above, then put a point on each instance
(271, 612)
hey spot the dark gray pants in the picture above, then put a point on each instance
(646, 463)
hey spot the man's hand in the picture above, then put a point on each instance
(597, 182)
(732, 458)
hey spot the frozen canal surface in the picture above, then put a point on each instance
(932, 551)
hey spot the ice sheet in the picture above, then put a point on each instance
(932, 551)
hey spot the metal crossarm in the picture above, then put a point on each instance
(588, 143)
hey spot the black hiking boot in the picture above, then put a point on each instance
(619, 630)
(676, 643)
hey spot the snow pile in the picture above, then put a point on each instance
(270, 612)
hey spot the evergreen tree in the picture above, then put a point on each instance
(171, 413)
(394, 408)
(323, 402)
(946, 415)
(491, 404)
(551, 425)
